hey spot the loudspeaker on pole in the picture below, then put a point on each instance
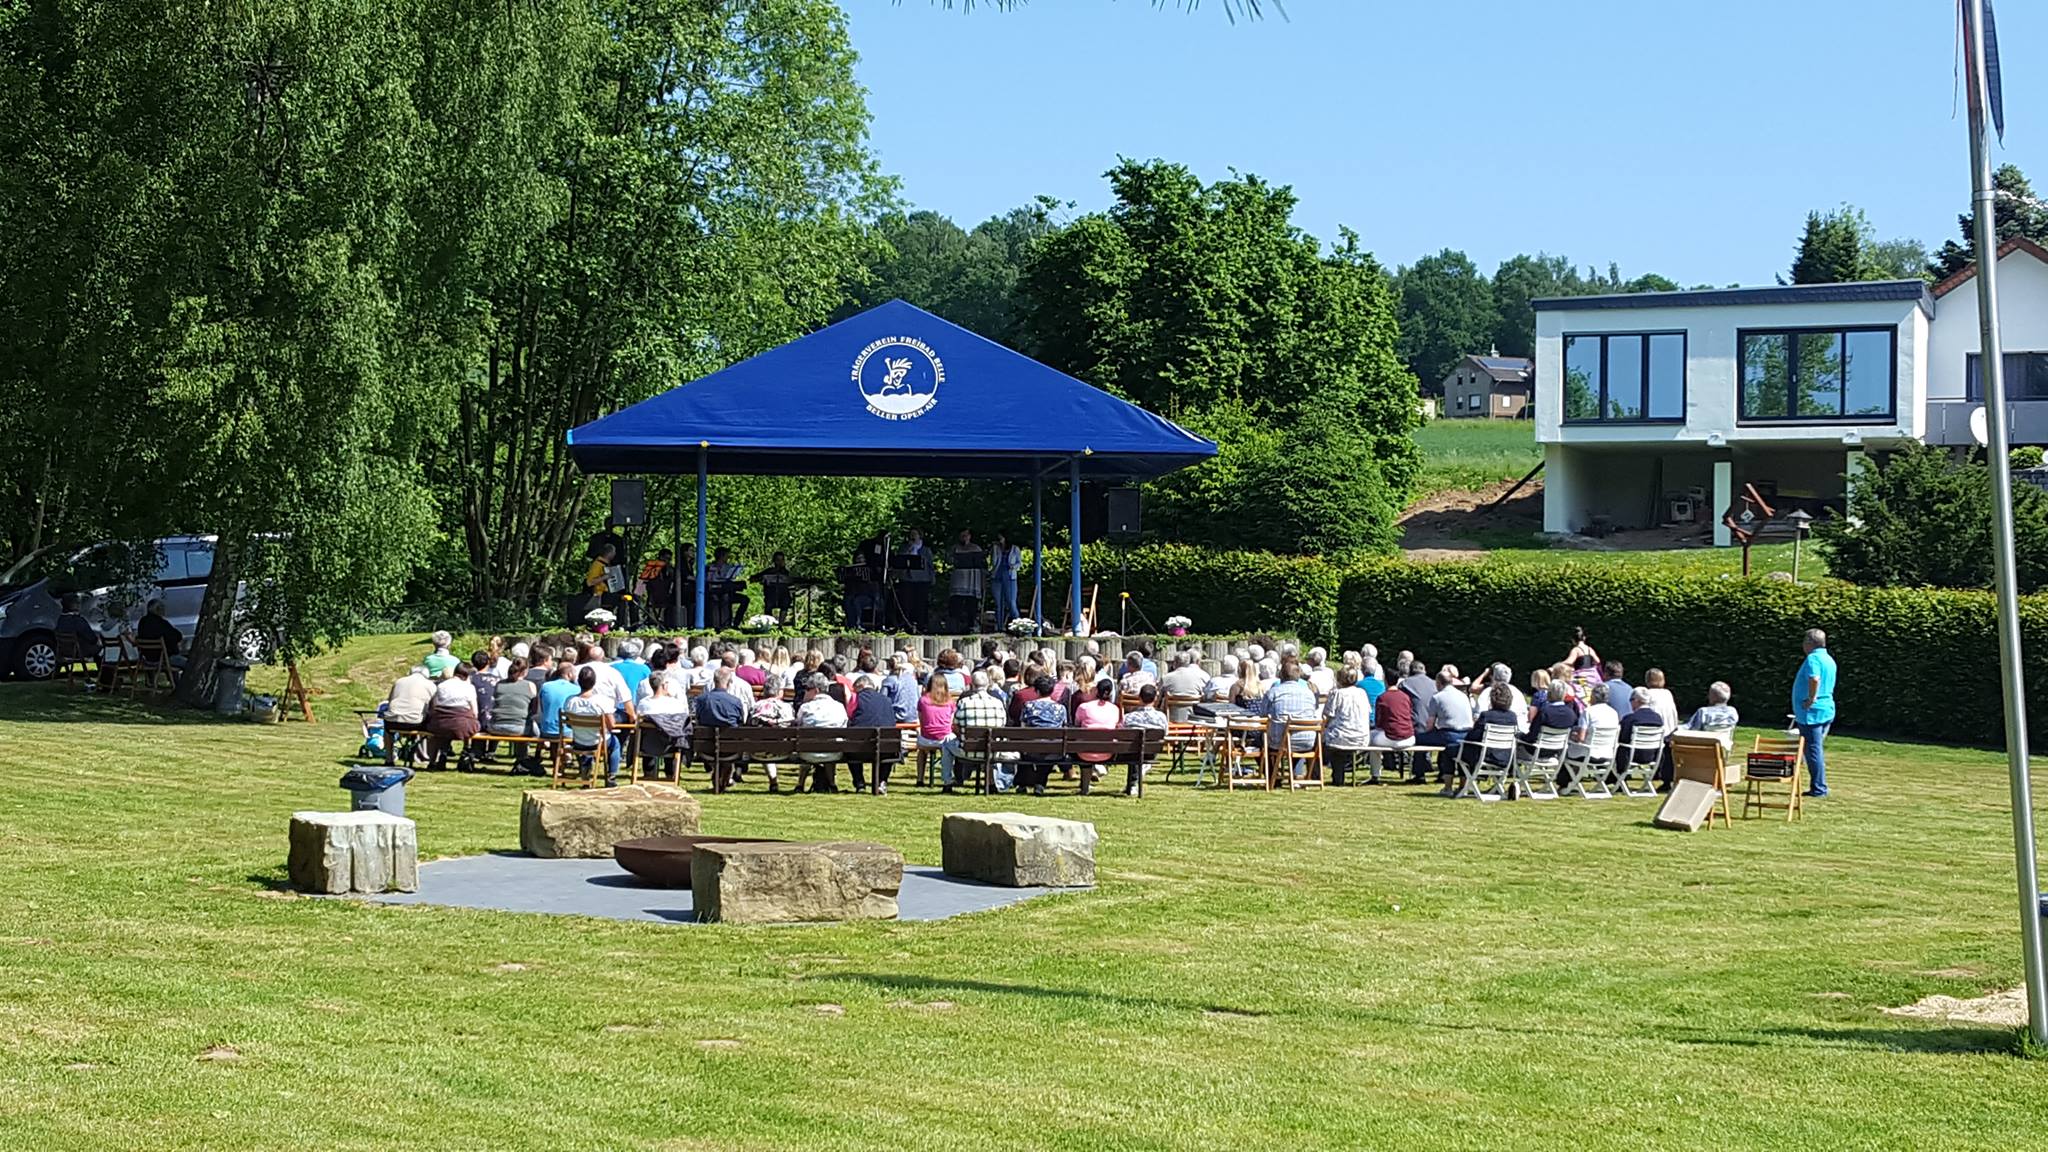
(629, 502)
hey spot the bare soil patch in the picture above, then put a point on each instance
(2007, 1009)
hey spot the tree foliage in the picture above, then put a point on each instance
(1523, 278)
(967, 277)
(2016, 212)
(1447, 312)
(1207, 304)
(1922, 518)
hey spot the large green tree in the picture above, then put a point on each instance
(1447, 311)
(967, 277)
(2016, 211)
(1523, 278)
(1207, 304)
(683, 186)
(238, 260)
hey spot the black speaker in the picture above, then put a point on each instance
(1125, 516)
(629, 502)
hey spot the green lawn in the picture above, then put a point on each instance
(1764, 558)
(1366, 968)
(1467, 455)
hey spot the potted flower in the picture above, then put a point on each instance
(1178, 625)
(761, 623)
(600, 619)
(1022, 626)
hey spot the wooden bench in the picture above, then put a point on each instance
(543, 746)
(1134, 748)
(725, 750)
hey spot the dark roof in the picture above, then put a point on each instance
(894, 391)
(1855, 293)
(2005, 248)
(1505, 369)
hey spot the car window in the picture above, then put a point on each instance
(170, 562)
(103, 566)
(199, 560)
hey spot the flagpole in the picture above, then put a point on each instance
(1991, 369)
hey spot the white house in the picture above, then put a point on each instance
(1660, 406)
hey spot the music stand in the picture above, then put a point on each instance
(898, 565)
(971, 561)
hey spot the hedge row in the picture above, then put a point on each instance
(1914, 662)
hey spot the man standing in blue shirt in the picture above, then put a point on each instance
(1813, 707)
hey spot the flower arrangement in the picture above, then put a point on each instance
(1178, 625)
(1022, 626)
(761, 623)
(600, 619)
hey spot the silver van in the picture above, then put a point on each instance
(103, 578)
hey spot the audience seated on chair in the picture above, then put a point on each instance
(1718, 717)
(1347, 724)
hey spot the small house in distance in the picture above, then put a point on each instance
(1490, 387)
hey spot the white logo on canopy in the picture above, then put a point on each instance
(899, 376)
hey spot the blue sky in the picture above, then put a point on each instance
(1687, 137)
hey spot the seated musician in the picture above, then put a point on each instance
(725, 578)
(656, 587)
(775, 591)
(864, 582)
(914, 590)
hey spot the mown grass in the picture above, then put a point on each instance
(1366, 968)
(1764, 558)
(1467, 455)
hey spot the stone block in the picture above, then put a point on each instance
(338, 852)
(1018, 851)
(779, 883)
(583, 824)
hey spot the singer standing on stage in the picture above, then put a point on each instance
(969, 567)
(727, 578)
(1003, 559)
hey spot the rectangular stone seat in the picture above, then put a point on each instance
(1018, 851)
(583, 825)
(784, 883)
(342, 852)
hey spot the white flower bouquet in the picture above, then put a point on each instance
(1180, 622)
(600, 619)
(761, 623)
(1022, 626)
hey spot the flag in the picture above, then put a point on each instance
(1994, 92)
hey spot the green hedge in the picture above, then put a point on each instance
(1914, 662)
(1221, 592)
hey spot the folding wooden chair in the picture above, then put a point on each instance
(1701, 756)
(1591, 765)
(1775, 760)
(566, 750)
(1179, 707)
(1638, 777)
(1183, 737)
(114, 665)
(1536, 768)
(1483, 777)
(153, 661)
(71, 662)
(1303, 766)
(1243, 746)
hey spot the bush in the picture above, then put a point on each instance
(1698, 629)
(1222, 592)
(1923, 519)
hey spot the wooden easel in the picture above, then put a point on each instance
(295, 689)
(1087, 615)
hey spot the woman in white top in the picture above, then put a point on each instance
(451, 716)
(821, 711)
(1347, 725)
(1223, 683)
(1660, 699)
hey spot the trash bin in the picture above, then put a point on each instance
(377, 789)
(229, 676)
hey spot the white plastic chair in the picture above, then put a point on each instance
(1482, 778)
(1535, 769)
(1639, 777)
(1591, 765)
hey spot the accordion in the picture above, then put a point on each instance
(1771, 766)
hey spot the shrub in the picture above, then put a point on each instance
(1698, 629)
(1923, 518)
(1222, 592)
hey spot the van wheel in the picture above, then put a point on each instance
(36, 658)
(252, 645)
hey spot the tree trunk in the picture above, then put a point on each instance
(213, 636)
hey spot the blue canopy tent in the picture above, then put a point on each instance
(894, 391)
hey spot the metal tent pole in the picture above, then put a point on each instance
(675, 578)
(1990, 364)
(1074, 538)
(703, 500)
(1037, 542)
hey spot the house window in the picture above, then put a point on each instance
(2026, 377)
(1632, 377)
(1818, 375)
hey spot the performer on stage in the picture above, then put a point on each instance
(864, 590)
(914, 588)
(655, 585)
(724, 571)
(595, 580)
(970, 564)
(775, 593)
(1003, 559)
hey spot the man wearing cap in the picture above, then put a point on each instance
(1449, 715)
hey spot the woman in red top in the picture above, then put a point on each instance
(1393, 725)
